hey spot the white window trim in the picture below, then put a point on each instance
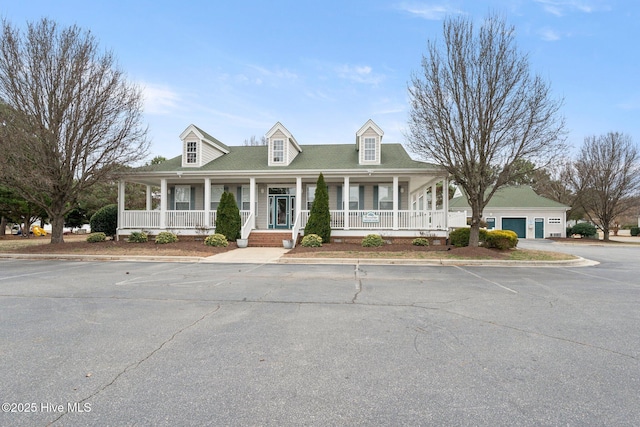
(176, 201)
(390, 187)
(273, 154)
(192, 160)
(367, 151)
(218, 186)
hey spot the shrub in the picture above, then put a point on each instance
(460, 236)
(138, 237)
(584, 229)
(165, 237)
(228, 221)
(635, 231)
(372, 240)
(105, 220)
(311, 241)
(216, 240)
(96, 237)
(319, 221)
(501, 239)
(420, 241)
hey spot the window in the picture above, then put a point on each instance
(311, 196)
(216, 194)
(183, 198)
(278, 151)
(385, 197)
(192, 151)
(244, 204)
(555, 220)
(369, 149)
(354, 197)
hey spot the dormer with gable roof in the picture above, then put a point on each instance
(199, 148)
(283, 147)
(368, 140)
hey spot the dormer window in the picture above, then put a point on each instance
(192, 152)
(369, 149)
(278, 151)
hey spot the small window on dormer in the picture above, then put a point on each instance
(278, 151)
(369, 149)
(192, 152)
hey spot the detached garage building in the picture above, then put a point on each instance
(520, 209)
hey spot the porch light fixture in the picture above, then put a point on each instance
(370, 171)
(179, 174)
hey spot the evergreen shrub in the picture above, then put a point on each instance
(165, 237)
(420, 241)
(96, 237)
(460, 236)
(372, 240)
(105, 220)
(138, 237)
(228, 221)
(584, 229)
(319, 221)
(311, 241)
(501, 239)
(216, 240)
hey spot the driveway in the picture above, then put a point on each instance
(91, 343)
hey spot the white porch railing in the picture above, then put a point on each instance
(383, 220)
(358, 220)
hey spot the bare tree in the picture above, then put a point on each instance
(477, 111)
(253, 141)
(70, 119)
(606, 178)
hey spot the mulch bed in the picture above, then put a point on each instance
(186, 246)
(408, 249)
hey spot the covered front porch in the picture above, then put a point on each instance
(393, 206)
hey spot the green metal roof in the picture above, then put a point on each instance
(211, 138)
(313, 157)
(510, 197)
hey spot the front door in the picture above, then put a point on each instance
(539, 228)
(281, 211)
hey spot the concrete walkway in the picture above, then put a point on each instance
(248, 256)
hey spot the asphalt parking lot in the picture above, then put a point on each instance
(122, 343)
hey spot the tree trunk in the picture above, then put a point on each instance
(3, 226)
(57, 229)
(605, 233)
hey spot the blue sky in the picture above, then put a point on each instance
(323, 68)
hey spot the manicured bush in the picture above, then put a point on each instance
(228, 221)
(165, 237)
(138, 237)
(584, 229)
(96, 237)
(319, 221)
(501, 239)
(216, 240)
(634, 231)
(372, 240)
(105, 220)
(460, 236)
(420, 241)
(311, 241)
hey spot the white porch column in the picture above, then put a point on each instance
(207, 202)
(148, 194)
(345, 202)
(163, 203)
(396, 195)
(445, 202)
(434, 197)
(298, 198)
(121, 185)
(252, 201)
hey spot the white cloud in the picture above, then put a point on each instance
(561, 7)
(159, 99)
(432, 12)
(279, 74)
(359, 74)
(549, 35)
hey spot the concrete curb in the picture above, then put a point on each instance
(579, 262)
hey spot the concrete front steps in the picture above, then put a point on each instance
(268, 239)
